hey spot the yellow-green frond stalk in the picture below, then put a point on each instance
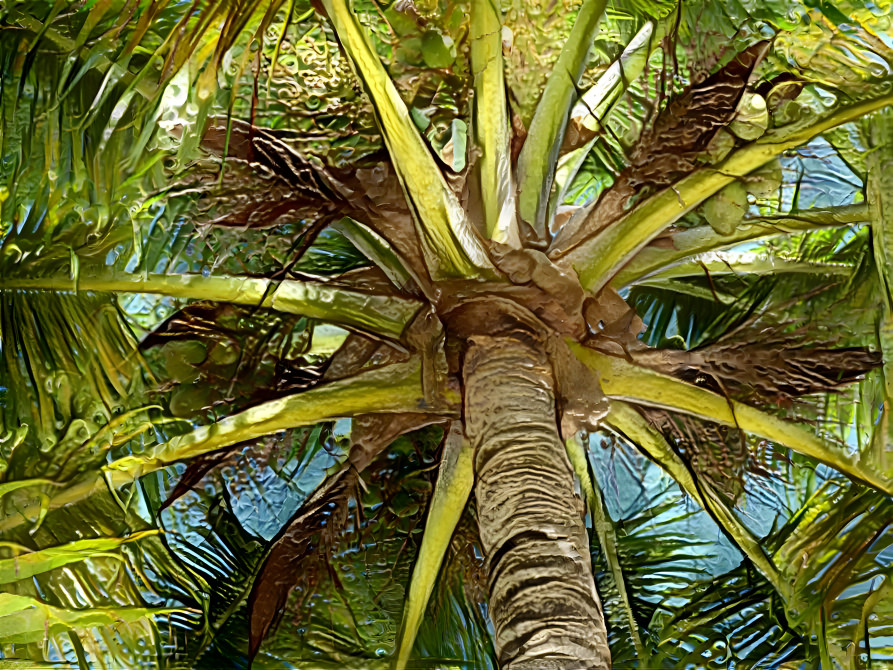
(454, 482)
(536, 163)
(491, 124)
(628, 422)
(449, 242)
(627, 381)
(598, 259)
(880, 198)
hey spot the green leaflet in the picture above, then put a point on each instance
(598, 259)
(447, 236)
(65, 43)
(823, 551)
(623, 380)
(385, 315)
(24, 619)
(454, 482)
(57, 348)
(37, 562)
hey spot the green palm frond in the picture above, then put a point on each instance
(735, 616)
(648, 571)
(83, 386)
(835, 592)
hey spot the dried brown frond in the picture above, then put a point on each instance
(673, 146)
(675, 143)
(300, 554)
(770, 369)
(778, 372)
(236, 195)
(256, 178)
(717, 453)
(369, 185)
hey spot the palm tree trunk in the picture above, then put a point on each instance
(543, 602)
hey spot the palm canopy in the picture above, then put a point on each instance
(250, 255)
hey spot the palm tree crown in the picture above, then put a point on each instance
(446, 334)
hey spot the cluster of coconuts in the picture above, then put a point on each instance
(725, 210)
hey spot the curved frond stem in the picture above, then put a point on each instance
(447, 236)
(598, 259)
(392, 389)
(693, 241)
(623, 380)
(710, 294)
(725, 263)
(585, 123)
(880, 198)
(454, 482)
(881, 595)
(27, 619)
(27, 565)
(536, 163)
(378, 314)
(624, 419)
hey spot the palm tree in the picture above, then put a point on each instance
(282, 283)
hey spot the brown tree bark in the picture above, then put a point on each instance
(543, 601)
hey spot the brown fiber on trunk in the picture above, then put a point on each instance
(543, 602)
